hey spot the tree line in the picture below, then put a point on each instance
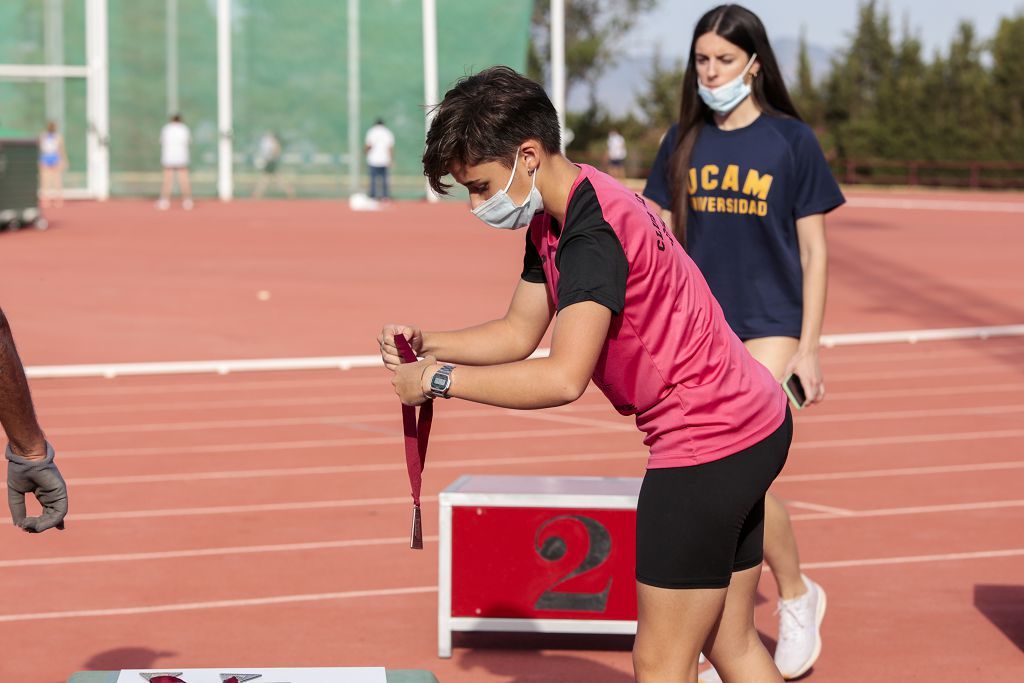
(882, 99)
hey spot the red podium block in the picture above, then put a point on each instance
(538, 555)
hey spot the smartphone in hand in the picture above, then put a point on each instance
(795, 391)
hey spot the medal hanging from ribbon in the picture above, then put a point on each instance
(416, 435)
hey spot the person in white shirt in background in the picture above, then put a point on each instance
(174, 142)
(380, 142)
(616, 155)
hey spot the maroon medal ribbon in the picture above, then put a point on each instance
(416, 436)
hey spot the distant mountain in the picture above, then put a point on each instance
(619, 87)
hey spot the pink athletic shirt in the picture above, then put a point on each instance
(670, 359)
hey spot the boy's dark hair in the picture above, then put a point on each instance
(485, 117)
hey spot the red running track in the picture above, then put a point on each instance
(261, 518)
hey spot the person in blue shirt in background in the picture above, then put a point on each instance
(747, 188)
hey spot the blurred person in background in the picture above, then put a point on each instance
(748, 188)
(379, 147)
(52, 163)
(175, 139)
(616, 154)
(268, 161)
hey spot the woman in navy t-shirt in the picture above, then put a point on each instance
(748, 188)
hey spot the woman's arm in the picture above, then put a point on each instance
(810, 232)
(579, 335)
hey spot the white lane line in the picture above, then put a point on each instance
(392, 417)
(210, 552)
(332, 443)
(218, 405)
(917, 510)
(485, 462)
(904, 471)
(388, 399)
(866, 356)
(930, 391)
(346, 469)
(244, 509)
(825, 513)
(476, 414)
(934, 204)
(404, 500)
(911, 438)
(219, 604)
(413, 590)
(110, 388)
(827, 509)
(618, 426)
(915, 559)
(995, 368)
(227, 366)
(914, 414)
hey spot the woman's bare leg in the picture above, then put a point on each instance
(733, 646)
(672, 625)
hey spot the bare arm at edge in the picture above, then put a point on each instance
(16, 411)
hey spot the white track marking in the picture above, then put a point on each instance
(348, 469)
(910, 438)
(473, 414)
(413, 590)
(827, 509)
(903, 471)
(916, 510)
(211, 552)
(929, 391)
(404, 500)
(933, 204)
(340, 443)
(825, 513)
(220, 604)
(915, 559)
(390, 417)
(349, 362)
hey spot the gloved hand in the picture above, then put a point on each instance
(41, 478)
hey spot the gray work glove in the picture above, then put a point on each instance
(41, 478)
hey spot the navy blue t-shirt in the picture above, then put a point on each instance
(747, 188)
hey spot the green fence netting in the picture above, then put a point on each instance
(289, 75)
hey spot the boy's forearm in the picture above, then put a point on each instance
(491, 343)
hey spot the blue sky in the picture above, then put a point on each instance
(827, 22)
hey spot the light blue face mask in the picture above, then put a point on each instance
(727, 97)
(499, 211)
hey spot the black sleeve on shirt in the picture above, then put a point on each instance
(590, 259)
(533, 270)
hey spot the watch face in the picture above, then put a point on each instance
(438, 382)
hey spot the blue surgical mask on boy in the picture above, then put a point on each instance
(499, 211)
(728, 96)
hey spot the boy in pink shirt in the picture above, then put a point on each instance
(633, 314)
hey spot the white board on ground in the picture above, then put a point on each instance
(241, 674)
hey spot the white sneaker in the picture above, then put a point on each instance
(162, 204)
(799, 631)
(709, 676)
(187, 205)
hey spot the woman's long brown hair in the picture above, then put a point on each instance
(742, 28)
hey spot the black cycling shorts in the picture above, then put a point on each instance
(697, 525)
